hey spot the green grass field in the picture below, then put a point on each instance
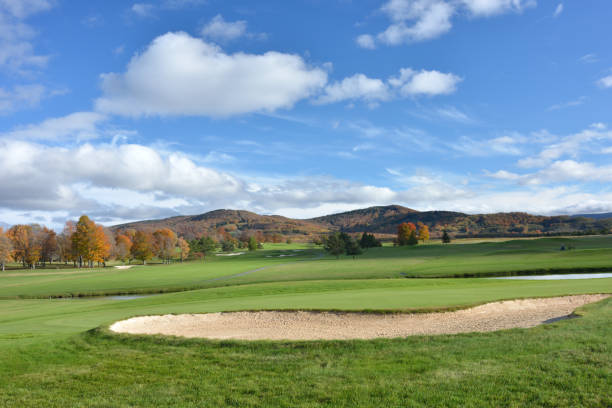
(58, 352)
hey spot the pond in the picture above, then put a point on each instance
(560, 277)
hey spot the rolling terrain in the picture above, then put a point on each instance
(379, 220)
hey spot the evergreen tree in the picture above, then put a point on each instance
(446, 238)
(335, 244)
(352, 248)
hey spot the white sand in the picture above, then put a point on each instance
(124, 266)
(330, 325)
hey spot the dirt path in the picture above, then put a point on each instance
(330, 325)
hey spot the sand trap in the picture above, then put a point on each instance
(124, 266)
(330, 325)
(232, 254)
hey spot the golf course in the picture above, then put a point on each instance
(57, 349)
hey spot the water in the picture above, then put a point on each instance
(126, 297)
(560, 277)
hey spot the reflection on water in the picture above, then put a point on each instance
(560, 277)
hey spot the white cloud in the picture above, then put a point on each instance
(605, 82)
(589, 58)
(16, 48)
(570, 146)
(143, 9)
(492, 7)
(77, 126)
(181, 75)
(416, 20)
(425, 82)
(221, 30)
(24, 8)
(366, 41)
(21, 96)
(558, 10)
(357, 86)
(419, 20)
(509, 144)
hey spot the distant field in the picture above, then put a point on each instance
(58, 352)
(279, 264)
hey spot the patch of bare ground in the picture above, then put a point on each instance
(306, 325)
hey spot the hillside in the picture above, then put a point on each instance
(232, 221)
(381, 220)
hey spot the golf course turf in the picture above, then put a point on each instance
(59, 352)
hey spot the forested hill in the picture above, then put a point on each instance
(379, 220)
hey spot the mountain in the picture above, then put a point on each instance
(382, 220)
(600, 216)
(232, 221)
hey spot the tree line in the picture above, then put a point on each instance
(85, 244)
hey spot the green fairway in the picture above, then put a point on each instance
(279, 264)
(58, 352)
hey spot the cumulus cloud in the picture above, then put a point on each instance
(492, 7)
(357, 86)
(77, 126)
(419, 20)
(416, 20)
(201, 79)
(366, 41)
(221, 30)
(424, 82)
(605, 82)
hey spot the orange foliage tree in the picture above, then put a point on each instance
(6, 249)
(123, 246)
(142, 246)
(164, 244)
(26, 246)
(404, 233)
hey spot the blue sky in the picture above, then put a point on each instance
(131, 110)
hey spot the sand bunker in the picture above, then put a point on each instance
(331, 325)
(124, 266)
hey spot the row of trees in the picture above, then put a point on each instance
(86, 243)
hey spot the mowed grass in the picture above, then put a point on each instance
(279, 264)
(142, 279)
(48, 359)
(59, 352)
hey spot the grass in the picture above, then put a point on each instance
(58, 352)
(592, 254)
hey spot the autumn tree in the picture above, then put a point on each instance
(183, 249)
(101, 245)
(423, 233)
(26, 244)
(49, 247)
(404, 232)
(66, 251)
(142, 246)
(6, 249)
(123, 245)
(165, 242)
